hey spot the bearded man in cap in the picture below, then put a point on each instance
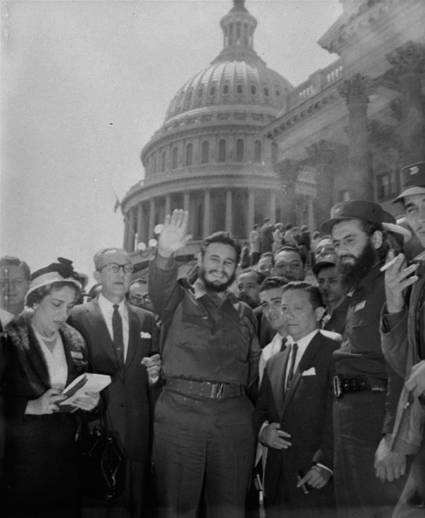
(366, 391)
(403, 340)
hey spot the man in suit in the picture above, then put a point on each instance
(120, 340)
(294, 412)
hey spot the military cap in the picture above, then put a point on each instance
(357, 209)
(327, 259)
(413, 179)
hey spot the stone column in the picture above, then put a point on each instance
(251, 210)
(327, 158)
(408, 63)
(167, 204)
(186, 201)
(355, 91)
(273, 206)
(151, 218)
(287, 171)
(132, 233)
(229, 211)
(207, 213)
(125, 243)
(140, 236)
(186, 206)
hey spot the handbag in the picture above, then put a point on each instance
(101, 462)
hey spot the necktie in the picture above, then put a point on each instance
(117, 332)
(289, 378)
(283, 344)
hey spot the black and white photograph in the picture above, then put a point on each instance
(212, 246)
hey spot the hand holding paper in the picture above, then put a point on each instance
(84, 392)
(87, 402)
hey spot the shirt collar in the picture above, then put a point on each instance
(108, 306)
(304, 341)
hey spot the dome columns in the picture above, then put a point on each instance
(234, 210)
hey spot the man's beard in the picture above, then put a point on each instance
(352, 274)
(218, 288)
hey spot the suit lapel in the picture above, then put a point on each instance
(37, 360)
(278, 379)
(305, 362)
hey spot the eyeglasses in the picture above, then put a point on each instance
(115, 268)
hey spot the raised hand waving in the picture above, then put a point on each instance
(174, 234)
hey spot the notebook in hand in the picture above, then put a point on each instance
(87, 382)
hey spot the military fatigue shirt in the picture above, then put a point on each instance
(205, 337)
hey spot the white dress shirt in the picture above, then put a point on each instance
(269, 350)
(5, 317)
(107, 310)
(302, 346)
(57, 366)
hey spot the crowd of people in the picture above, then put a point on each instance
(287, 379)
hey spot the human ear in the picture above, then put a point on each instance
(319, 312)
(377, 239)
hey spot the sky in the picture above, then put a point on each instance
(84, 85)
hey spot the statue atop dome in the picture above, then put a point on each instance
(239, 5)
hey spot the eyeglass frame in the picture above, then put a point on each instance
(126, 268)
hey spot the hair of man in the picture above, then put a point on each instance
(8, 260)
(313, 292)
(272, 282)
(290, 248)
(224, 238)
(98, 256)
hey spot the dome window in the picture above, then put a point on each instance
(189, 154)
(239, 89)
(277, 93)
(274, 152)
(239, 150)
(222, 150)
(163, 160)
(253, 89)
(200, 91)
(257, 151)
(266, 91)
(212, 91)
(205, 152)
(226, 89)
(174, 158)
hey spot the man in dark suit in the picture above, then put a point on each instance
(294, 412)
(121, 339)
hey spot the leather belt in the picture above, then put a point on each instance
(342, 385)
(204, 389)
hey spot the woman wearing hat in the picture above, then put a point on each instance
(43, 354)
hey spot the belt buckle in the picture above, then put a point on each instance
(217, 390)
(336, 382)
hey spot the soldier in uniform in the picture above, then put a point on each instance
(403, 339)
(366, 389)
(203, 433)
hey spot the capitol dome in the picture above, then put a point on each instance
(210, 155)
(228, 83)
